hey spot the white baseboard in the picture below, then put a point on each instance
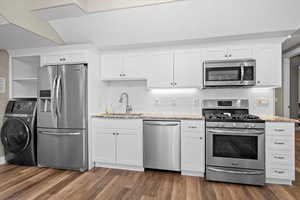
(2, 160)
(279, 181)
(192, 173)
(116, 166)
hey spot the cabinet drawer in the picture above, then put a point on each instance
(279, 172)
(193, 126)
(283, 158)
(280, 129)
(128, 124)
(279, 143)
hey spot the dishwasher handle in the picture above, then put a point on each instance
(161, 123)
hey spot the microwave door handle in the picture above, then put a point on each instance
(242, 72)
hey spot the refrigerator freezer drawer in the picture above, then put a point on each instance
(64, 149)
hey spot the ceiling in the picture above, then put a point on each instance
(182, 20)
(188, 20)
(14, 37)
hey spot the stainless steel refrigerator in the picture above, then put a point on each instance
(62, 117)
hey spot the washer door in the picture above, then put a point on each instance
(15, 135)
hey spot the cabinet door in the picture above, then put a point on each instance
(112, 67)
(192, 153)
(188, 69)
(160, 70)
(268, 66)
(216, 54)
(135, 66)
(104, 142)
(240, 53)
(51, 60)
(128, 148)
(75, 58)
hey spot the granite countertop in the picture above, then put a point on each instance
(271, 118)
(267, 118)
(151, 116)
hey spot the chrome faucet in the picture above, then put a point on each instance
(128, 107)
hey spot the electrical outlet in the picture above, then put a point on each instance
(196, 101)
(157, 101)
(173, 101)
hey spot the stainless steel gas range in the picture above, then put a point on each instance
(235, 142)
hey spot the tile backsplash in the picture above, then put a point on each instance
(182, 101)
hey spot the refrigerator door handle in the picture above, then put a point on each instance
(53, 107)
(58, 101)
(59, 134)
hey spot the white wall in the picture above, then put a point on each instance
(184, 101)
(4, 60)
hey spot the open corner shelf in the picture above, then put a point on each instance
(24, 76)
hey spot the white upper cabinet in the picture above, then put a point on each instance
(112, 67)
(188, 68)
(135, 65)
(224, 53)
(63, 59)
(268, 66)
(239, 52)
(123, 67)
(216, 54)
(160, 70)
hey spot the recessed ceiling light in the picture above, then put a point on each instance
(289, 36)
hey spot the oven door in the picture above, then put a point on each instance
(240, 148)
(235, 73)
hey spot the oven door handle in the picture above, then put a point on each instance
(247, 132)
(235, 172)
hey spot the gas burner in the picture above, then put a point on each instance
(231, 117)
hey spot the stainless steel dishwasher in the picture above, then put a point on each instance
(162, 145)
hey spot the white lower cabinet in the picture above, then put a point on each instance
(193, 147)
(118, 146)
(280, 152)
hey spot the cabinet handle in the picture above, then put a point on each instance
(258, 82)
(279, 171)
(201, 138)
(114, 133)
(279, 130)
(229, 55)
(171, 83)
(279, 157)
(175, 83)
(192, 126)
(279, 143)
(226, 55)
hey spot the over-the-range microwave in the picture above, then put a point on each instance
(229, 73)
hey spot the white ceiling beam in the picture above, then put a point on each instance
(89, 6)
(18, 13)
(106, 5)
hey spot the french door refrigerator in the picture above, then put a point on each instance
(62, 117)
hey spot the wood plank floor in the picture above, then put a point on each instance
(40, 183)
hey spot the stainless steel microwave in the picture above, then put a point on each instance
(229, 73)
